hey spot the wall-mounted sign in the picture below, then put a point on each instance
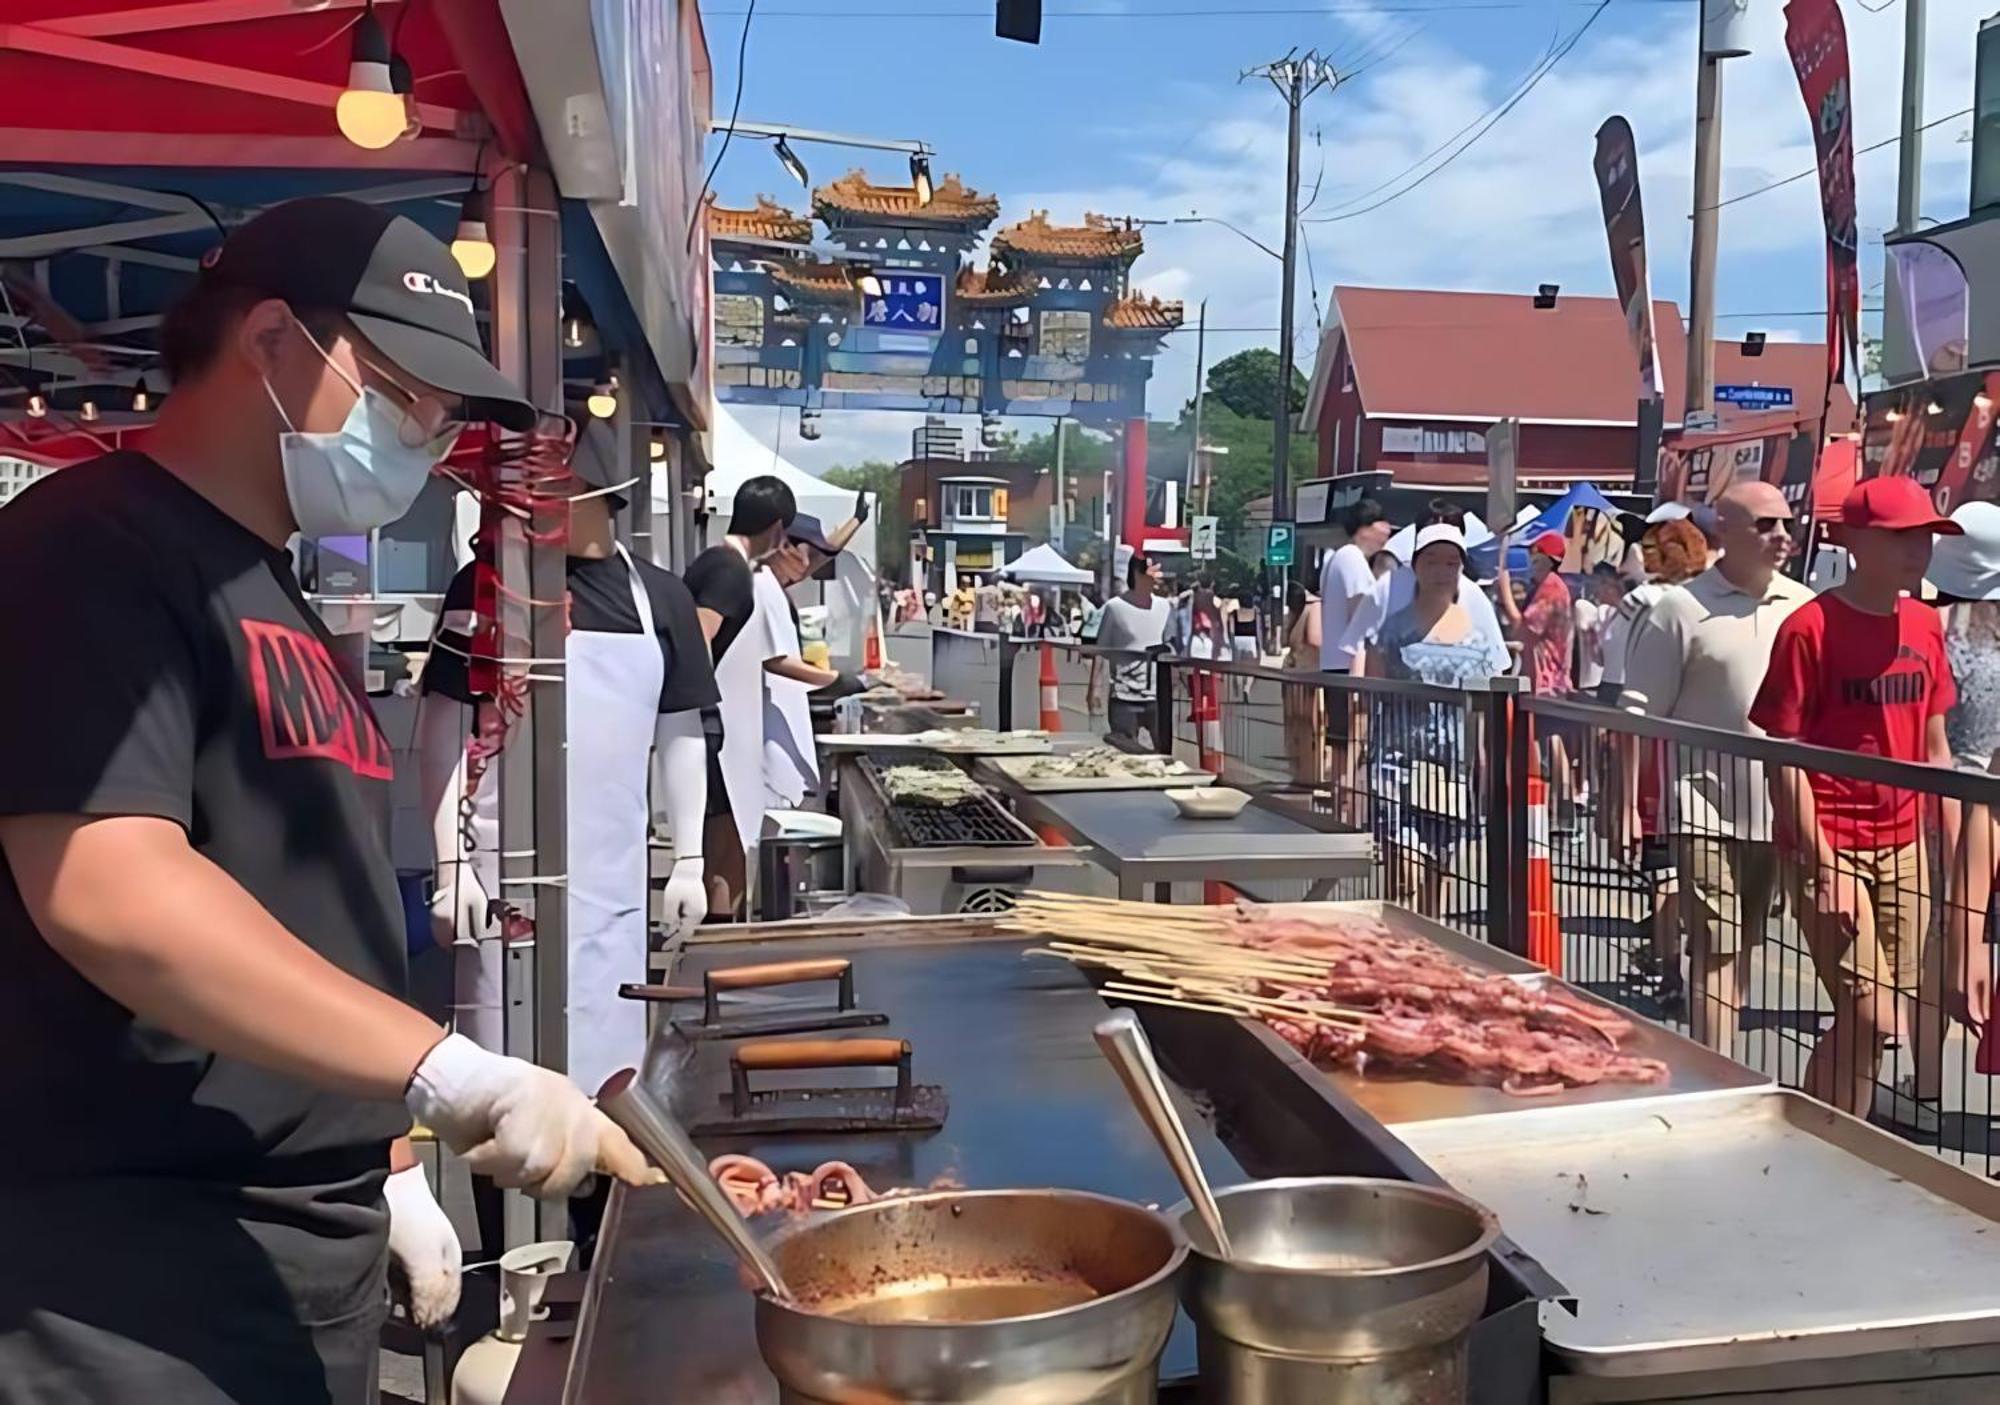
(1201, 538)
(909, 302)
(1433, 443)
(1280, 544)
(1309, 502)
(1755, 397)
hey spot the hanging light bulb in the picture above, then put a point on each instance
(471, 245)
(38, 406)
(1893, 415)
(603, 401)
(142, 399)
(1982, 400)
(1934, 408)
(370, 111)
(573, 333)
(89, 412)
(789, 159)
(920, 176)
(656, 451)
(868, 283)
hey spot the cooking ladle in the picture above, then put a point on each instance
(1125, 1044)
(624, 1099)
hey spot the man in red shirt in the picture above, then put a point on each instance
(1861, 668)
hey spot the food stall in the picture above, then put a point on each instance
(1673, 1228)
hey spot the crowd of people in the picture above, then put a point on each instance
(1700, 624)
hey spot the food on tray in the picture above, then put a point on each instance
(972, 738)
(1347, 991)
(936, 785)
(1102, 763)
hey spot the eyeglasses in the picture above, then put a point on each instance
(426, 418)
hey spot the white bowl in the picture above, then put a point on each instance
(1212, 802)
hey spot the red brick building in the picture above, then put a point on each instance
(1407, 382)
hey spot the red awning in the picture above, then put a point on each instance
(1839, 466)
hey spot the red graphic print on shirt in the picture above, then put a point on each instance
(305, 707)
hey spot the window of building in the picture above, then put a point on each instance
(972, 502)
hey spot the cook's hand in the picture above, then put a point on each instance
(424, 1255)
(460, 908)
(524, 1126)
(685, 901)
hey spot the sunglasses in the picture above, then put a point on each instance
(1766, 525)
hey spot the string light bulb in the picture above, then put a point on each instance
(1935, 408)
(573, 333)
(89, 412)
(1892, 415)
(38, 406)
(370, 111)
(1982, 400)
(656, 451)
(142, 398)
(603, 401)
(471, 246)
(403, 84)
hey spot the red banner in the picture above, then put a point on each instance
(1817, 41)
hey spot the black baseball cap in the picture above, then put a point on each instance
(396, 282)
(807, 531)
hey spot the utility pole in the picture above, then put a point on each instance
(1194, 445)
(1718, 35)
(1297, 77)
(1910, 152)
(1060, 519)
(1700, 381)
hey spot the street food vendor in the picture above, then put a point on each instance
(207, 1059)
(791, 757)
(637, 676)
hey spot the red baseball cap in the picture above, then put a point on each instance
(1551, 544)
(1895, 504)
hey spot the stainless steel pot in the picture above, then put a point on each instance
(1340, 1291)
(1003, 1297)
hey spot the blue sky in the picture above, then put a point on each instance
(1137, 110)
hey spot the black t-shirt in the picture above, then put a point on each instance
(600, 602)
(720, 581)
(165, 664)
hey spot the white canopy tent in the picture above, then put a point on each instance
(1044, 565)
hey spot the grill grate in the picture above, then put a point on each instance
(977, 821)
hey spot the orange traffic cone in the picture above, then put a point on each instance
(871, 647)
(1051, 697)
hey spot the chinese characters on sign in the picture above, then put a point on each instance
(908, 302)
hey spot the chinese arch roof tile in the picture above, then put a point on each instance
(1098, 239)
(856, 199)
(767, 220)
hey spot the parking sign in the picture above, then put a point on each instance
(1280, 544)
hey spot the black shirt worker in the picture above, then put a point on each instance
(204, 1052)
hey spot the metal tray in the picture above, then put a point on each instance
(1694, 1069)
(1014, 767)
(1016, 744)
(1757, 1229)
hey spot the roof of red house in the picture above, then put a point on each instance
(1419, 353)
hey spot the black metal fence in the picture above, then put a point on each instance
(1641, 859)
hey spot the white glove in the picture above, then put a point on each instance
(460, 909)
(424, 1256)
(522, 1125)
(685, 902)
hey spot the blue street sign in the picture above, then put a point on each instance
(1755, 397)
(909, 302)
(1280, 544)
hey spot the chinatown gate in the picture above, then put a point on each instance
(893, 311)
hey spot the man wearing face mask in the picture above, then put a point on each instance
(201, 1032)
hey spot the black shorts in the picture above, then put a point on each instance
(1339, 722)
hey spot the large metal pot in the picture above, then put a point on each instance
(1341, 1291)
(1004, 1297)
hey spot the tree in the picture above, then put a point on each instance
(1248, 384)
(892, 528)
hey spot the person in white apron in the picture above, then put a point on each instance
(623, 710)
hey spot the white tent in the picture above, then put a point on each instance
(1044, 565)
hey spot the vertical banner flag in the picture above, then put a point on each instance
(1817, 40)
(1617, 166)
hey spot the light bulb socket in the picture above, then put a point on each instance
(142, 398)
(89, 412)
(369, 60)
(38, 405)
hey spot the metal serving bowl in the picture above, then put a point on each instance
(1341, 1289)
(1005, 1297)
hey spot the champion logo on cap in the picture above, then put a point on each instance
(418, 282)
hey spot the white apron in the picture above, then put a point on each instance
(791, 756)
(612, 706)
(739, 679)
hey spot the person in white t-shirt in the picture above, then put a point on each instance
(1130, 627)
(1347, 585)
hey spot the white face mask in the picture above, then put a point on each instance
(362, 476)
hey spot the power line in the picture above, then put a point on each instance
(1813, 170)
(735, 109)
(1507, 107)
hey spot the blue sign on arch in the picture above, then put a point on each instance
(1755, 397)
(908, 302)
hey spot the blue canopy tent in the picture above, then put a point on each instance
(1484, 559)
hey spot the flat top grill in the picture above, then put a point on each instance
(977, 821)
